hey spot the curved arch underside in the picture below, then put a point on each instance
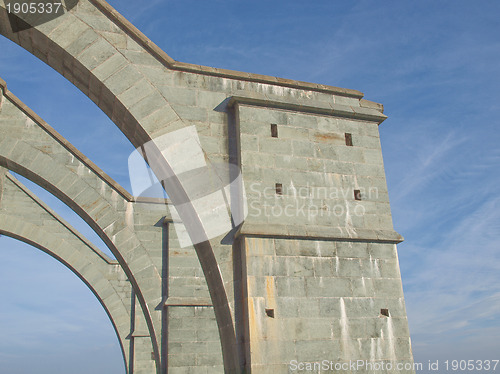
(33, 149)
(37, 152)
(24, 217)
(121, 78)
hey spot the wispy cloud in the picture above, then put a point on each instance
(454, 291)
(430, 158)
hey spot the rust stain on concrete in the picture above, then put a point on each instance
(270, 299)
(254, 331)
(324, 137)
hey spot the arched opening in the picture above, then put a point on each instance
(66, 213)
(50, 321)
(136, 121)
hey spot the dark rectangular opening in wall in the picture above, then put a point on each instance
(384, 312)
(357, 195)
(348, 139)
(274, 130)
(279, 189)
(270, 313)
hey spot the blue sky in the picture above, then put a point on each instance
(436, 68)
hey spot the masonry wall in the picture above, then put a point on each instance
(192, 341)
(327, 297)
(318, 246)
(317, 172)
(324, 260)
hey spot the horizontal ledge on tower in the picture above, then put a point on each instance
(188, 301)
(362, 112)
(319, 233)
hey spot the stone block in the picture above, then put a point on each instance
(324, 267)
(303, 120)
(350, 154)
(352, 249)
(275, 145)
(249, 142)
(371, 142)
(328, 287)
(147, 106)
(174, 95)
(289, 132)
(349, 267)
(123, 79)
(387, 287)
(316, 350)
(98, 22)
(382, 250)
(69, 31)
(288, 287)
(190, 113)
(299, 266)
(303, 149)
(362, 287)
(138, 91)
(162, 121)
(139, 58)
(96, 53)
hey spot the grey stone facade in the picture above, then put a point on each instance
(312, 274)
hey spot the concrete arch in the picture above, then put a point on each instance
(94, 52)
(24, 217)
(34, 150)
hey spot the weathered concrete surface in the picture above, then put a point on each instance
(322, 259)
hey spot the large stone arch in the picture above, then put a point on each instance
(34, 150)
(98, 54)
(24, 217)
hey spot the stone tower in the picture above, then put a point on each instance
(275, 250)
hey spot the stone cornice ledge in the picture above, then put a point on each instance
(188, 301)
(170, 63)
(318, 233)
(65, 143)
(331, 109)
(59, 219)
(3, 85)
